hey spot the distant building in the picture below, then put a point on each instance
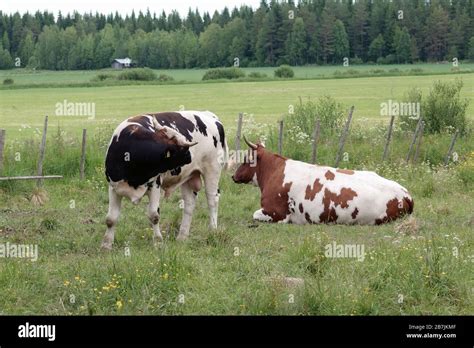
(122, 63)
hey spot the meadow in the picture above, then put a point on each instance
(421, 264)
(29, 77)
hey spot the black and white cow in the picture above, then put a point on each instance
(164, 151)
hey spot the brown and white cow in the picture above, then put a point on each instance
(164, 151)
(298, 192)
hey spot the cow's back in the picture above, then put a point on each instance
(325, 194)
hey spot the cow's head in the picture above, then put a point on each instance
(176, 153)
(247, 171)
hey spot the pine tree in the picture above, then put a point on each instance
(296, 44)
(436, 34)
(341, 42)
(402, 42)
(471, 49)
(6, 61)
(27, 48)
(326, 35)
(376, 48)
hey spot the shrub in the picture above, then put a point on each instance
(102, 76)
(356, 61)
(416, 70)
(8, 82)
(465, 171)
(223, 73)
(164, 77)
(284, 71)
(443, 109)
(351, 72)
(330, 113)
(257, 75)
(391, 59)
(377, 71)
(139, 74)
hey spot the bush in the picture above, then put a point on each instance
(140, 74)
(257, 75)
(223, 73)
(416, 70)
(284, 71)
(330, 113)
(102, 76)
(443, 109)
(8, 82)
(350, 72)
(381, 61)
(164, 77)
(356, 61)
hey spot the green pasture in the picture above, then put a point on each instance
(418, 265)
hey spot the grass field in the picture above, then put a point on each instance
(24, 76)
(266, 100)
(418, 265)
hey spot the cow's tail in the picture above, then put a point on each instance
(227, 164)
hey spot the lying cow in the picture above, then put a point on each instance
(297, 192)
(164, 151)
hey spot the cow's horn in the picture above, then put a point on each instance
(252, 145)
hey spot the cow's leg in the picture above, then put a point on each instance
(154, 211)
(211, 182)
(189, 198)
(115, 202)
(261, 216)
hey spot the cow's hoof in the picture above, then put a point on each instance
(106, 246)
(181, 237)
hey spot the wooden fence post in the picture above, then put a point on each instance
(41, 153)
(238, 135)
(417, 129)
(280, 138)
(389, 137)
(451, 146)
(315, 141)
(343, 137)
(2, 145)
(83, 153)
(420, 136)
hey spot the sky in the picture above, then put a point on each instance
(122, 6)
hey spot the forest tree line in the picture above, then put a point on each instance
(277, 32)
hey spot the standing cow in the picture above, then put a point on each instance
(298, 192)
(164, 151)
